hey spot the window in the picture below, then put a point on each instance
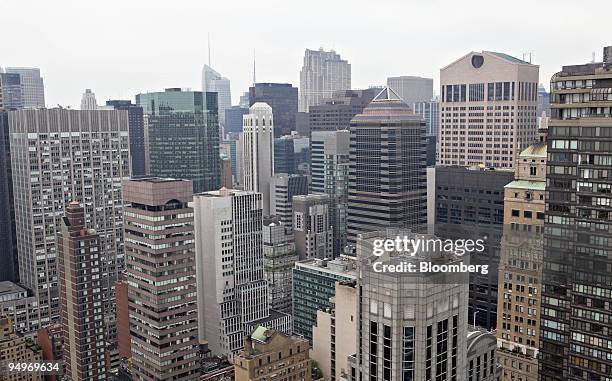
(533, 171)
(527, 214)
(516, 213)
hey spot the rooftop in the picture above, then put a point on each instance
(537, 150)
(7, 287)
(525, 184)
(510, 58)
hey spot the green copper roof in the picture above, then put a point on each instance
(525, 184)
(510, 58)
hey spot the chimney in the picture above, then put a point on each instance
(607, 56)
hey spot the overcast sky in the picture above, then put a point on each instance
(119, 48)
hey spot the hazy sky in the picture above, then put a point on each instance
(121, 48)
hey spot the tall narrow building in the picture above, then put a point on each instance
(258, 146)
(81, 296)
(282, 189)
(214, 82)
(387, 167)
(232, 289)
(279, 258)
(8, 239)
(312, 226)
(487, 110)
(575, 319)
(161, 270)
(63, 155)
(88, 100)
(183, 136)
(322, 73)
(136, 128)
(32, 86)
(329, 171)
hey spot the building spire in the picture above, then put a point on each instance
(209, 63)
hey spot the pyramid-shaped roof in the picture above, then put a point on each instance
(387, 94)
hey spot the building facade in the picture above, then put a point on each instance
(387, 167)
(88, 100)
(329, 171)
(482, 359)
(183, 136)
(233, 119)
(57, 156)
(11, 91)
(136, 128)
(283, 98)
(336, 112)
(161, 270)
(258, 151)
(279, 259)
(312, 226)
(322, 73)
(14, 348)
(32, 86)
(314, 283)
(282, 189)
(575, 320)
(412, 89)
(487, 110)
(9, 270)
(80, 297)
(214, 82)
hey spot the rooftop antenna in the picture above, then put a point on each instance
(528, 54)
(209, 50)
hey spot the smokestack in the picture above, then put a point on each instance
(607, 56)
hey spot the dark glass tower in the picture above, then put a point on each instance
(136, 128)
(8, 239)
(576, 316)
(387, 168)
(183, 134)
(283, 98)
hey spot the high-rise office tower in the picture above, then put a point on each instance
(232, 289)
(80, 280)
(329, 174)
(336, 112)
(575, 320)
(520, 267)
(387, 168)
(183, 136)
(233, 119)
(322, 74)
(282, 189)
(244, 100)
(11, 91)
(63, 155)
(469, 203)
(161, 270)
(136, 127)
(213, 82)
(88, 100)
(314, 283)
(279, 258)
(412, 89)
(32, 86)
(226, 172)
(543, 101)
(312, 226)
(430, 111)
(258, 145)
(284, 155)
(412, 325)
(487, 110)
(8, 238)
(302, 124)
(283, 98)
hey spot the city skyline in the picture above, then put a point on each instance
(178, 63)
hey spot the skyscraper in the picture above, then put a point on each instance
(282, 189)
(412, 89)
(412, 325)
(81, 296)
(312, 226)
(12, 92)
(336, 112)
(283, 98)
(329, 174)
(8, 238)
(543, 101)
(487, 110)
(136, 127)
(279, 258)
(213, 82)
(284, 155)
(387, 168)
(88, 100)
(322, 73)
(258, 145)
(430, 111)
(575, 320)
(183, 136)
(32, 86)
(63, 155)
(233, 119)
(232, 289)
(161, 270)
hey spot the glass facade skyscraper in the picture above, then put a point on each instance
(183, 133)
(136, 127)
(283, 98)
